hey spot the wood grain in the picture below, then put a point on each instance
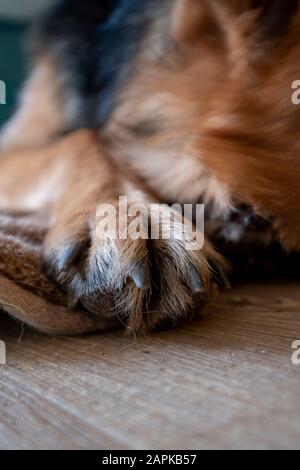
(223, 382)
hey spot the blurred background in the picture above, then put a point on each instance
(15, 15)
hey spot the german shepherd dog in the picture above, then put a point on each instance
(161, 101)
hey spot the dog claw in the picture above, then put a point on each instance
(73, 300)
(194, 281)
(68, 256)
(219, 276)
(140, 275)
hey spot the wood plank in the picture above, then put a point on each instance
(223, 382)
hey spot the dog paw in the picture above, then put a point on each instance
(151, 282)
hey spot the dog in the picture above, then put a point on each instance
(161, 101)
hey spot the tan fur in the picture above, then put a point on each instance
(41, 112)
(229, 127)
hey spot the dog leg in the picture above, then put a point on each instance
(152, 281)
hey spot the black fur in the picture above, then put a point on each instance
(95, 41)
(276, 15)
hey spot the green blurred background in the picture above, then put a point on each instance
(12, 66)
(15, 15)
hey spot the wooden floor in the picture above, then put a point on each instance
(224, 382)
